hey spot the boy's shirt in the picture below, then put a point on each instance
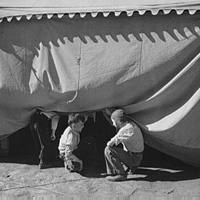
(68, 143)
(131, 137)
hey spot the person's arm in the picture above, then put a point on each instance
(54, 125)
(70, 146)
(122, 135)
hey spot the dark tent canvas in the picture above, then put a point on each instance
(142, 56)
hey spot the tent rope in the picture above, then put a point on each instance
(78, 81)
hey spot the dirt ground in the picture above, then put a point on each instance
(160, 177)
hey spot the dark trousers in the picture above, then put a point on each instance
(41, 126)
(117, 159)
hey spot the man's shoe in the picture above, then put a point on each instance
(104, 174)
(119, 177)
(131, 171)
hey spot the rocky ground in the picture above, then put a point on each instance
(159, 178)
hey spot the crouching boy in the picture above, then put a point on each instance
(69, 143)
(130, 136)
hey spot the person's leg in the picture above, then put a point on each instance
(36, 142)
(110, 168)
(137, 159)
(130, 160)
(114, 165)
(114, 160)
(42, 129)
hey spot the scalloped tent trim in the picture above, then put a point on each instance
(10, 9)
(94, 14)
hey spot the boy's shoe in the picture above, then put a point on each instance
(72, 166)
(119, 177)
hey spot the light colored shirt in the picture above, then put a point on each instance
(131, 137)
(68, 143)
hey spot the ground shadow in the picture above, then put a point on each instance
(162, 175)
(158, 166)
